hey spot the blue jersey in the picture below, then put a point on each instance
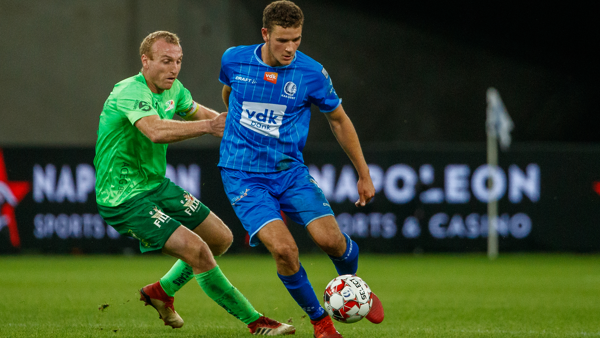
(269, 109)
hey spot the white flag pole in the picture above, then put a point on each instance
(492, 207)
(498, 124)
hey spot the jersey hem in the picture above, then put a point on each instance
(137, 195)
(295, 165)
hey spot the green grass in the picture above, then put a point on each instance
(424, 296)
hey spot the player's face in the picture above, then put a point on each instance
(162, 69)
(281, 45)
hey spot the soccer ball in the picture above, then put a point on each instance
(347, 299)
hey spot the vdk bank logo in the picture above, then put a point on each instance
(11, 193)
(263, 118)
(271, 77)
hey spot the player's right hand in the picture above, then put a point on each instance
(218, 125)
(366, 191)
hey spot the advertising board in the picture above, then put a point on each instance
(427, 200)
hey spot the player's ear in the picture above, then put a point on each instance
(144, 61)
(265, 34)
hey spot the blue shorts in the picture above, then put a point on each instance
(259, 198)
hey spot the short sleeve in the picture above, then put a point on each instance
(186, 106)
(324, 95)
(225, 74)
(135, 104)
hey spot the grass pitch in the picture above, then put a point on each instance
(424, 296)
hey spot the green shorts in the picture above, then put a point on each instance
(154, 215)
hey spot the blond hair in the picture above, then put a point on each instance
(146, 46)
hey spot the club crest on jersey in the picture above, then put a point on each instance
(170, 105)
(290, 90)
(271, 77)
(262, 118)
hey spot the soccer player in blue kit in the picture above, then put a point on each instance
(268, 90)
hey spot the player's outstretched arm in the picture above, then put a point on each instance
(169, 131)
(344, 132)
(203, 113)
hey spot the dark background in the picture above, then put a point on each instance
(407, 72)
(540, 58)
(559, 38)
(412, 76)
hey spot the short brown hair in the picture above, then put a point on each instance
(282, 13)
(146, 46)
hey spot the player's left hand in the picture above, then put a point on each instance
(366, 192)
(217, 125)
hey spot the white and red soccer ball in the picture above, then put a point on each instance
(347, 299)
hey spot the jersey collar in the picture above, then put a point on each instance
(259, 58)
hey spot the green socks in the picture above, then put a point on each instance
(218, 288)
(215, 285)
(176, 278)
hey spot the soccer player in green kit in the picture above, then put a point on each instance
(135, 198)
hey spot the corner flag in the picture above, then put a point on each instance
(499, 124)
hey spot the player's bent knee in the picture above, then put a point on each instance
(200, 258)
(333, 247)
(222, 247)
(286, 254)
(225, 241)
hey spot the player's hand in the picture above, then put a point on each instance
(217, 125)
(366, 191)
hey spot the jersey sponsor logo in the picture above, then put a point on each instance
(263, 118)
(290, 90)
(161, 217)
(143, 105)
(271, 77)
(191, 203)
(238, 198)
(244, 79)
(170, 105)
(325, 73)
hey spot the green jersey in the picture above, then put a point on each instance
(127, 162)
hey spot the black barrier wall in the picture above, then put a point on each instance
(428, 199)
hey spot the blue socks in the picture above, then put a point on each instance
(299, 287)
(301, 290)
(348, 263)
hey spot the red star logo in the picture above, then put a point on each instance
(11, 193)
(596, 187)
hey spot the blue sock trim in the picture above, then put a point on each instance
(347, 264)
(302, 291)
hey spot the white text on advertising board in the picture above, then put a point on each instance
(402, 184)
(61, 184)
